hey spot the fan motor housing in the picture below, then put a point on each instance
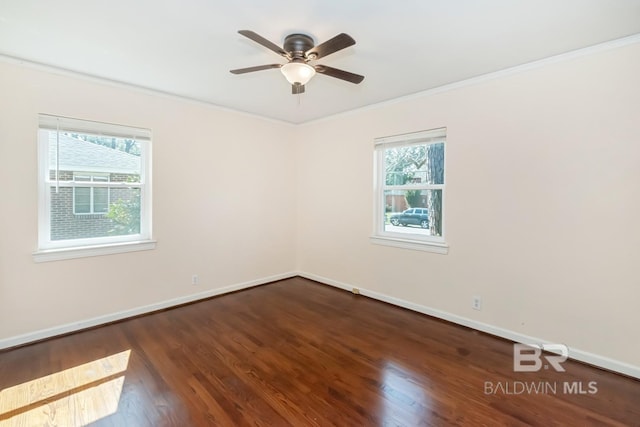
(298, 44)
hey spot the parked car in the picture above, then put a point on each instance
(415, 216)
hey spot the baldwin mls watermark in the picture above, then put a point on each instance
(530, 358)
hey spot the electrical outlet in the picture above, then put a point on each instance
(476, 303)
(195, 280)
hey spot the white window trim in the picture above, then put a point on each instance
(47, 255)
(49, 250)
(435, 244)
(438, 248)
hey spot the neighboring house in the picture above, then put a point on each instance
(79, 210)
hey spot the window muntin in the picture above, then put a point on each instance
(410, 186)
(94, 184)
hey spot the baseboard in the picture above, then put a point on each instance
(137, 311)
(576, 354)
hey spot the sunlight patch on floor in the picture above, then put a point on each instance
(73, 397)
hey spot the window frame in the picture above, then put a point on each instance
(53, 250)
(415, 241)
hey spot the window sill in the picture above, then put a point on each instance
(417, 245)
(89, 251)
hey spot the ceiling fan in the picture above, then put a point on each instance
(299, 50)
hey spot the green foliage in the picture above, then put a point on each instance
(414, 198)
(125, 215)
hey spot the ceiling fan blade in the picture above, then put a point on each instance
(297, 88)
(258, 68)
(264, 42)
(333, 45)
(339, 74)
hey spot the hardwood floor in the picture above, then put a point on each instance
(297, 353)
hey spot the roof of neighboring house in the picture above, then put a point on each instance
(83, 156)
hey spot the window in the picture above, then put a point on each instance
(94, 188)
(90, 200)
(410, 190)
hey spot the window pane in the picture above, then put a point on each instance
(400, 218)
(415, 164)
(82, 200)
(122, 218)
(100, 200)
(84, 212)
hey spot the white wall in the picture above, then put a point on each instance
(542, 203)
(223, 203)
(542, 208)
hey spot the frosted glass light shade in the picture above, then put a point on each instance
(298, 72)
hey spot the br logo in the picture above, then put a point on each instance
(529, 357)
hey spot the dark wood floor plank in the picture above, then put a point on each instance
(296, 353)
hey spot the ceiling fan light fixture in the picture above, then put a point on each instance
(298, 72)
(298, 50)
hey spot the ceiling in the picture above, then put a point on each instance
(186, 48)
